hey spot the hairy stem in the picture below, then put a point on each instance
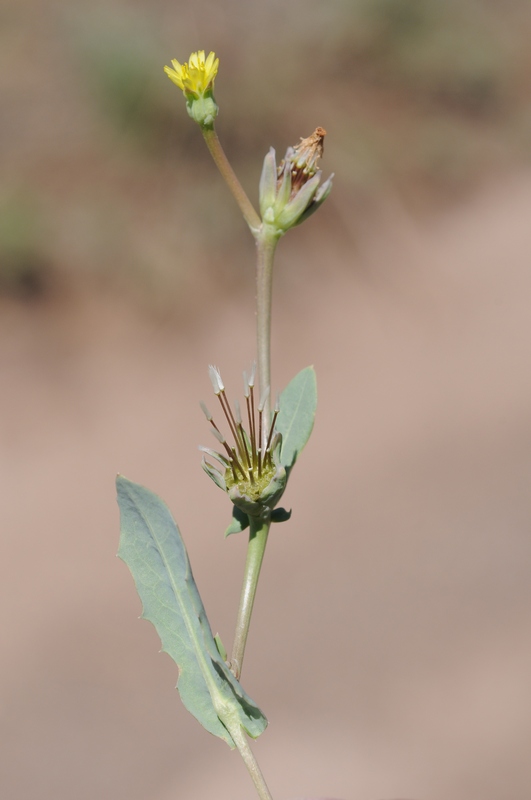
(259, 530)
(238, 192)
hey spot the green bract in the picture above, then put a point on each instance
(202, 110)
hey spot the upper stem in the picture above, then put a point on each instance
(218, 154)
(259, 530)
(266, 243)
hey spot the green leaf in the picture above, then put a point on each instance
(220, 646)
(239, 521)
(152, 548)
(295, 421)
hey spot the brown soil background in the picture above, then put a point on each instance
(391, 647)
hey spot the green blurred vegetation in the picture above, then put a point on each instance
(25, 269)
(421, 98)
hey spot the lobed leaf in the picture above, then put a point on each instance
(152, 547)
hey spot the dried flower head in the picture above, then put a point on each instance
(290, 194)
(302, 159)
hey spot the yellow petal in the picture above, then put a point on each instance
(197, 75)
(173, 76)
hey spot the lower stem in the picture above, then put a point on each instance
(251, 763)
(252, 766)
(259, 530)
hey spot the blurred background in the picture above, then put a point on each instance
(391, 649)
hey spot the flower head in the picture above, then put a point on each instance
(196, 79)
(196, 76)
(290, 194)
(251, 472)
(303, 158)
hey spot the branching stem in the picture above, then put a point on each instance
(238, 192)
(266, 241)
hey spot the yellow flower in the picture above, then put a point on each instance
(195, 77)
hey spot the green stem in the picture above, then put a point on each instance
(266, 243)
(250, 762)
(259, 530)
(228, 174)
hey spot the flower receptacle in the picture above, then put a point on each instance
(202, 110)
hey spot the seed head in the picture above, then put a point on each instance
(292, 193)
(253, 476)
